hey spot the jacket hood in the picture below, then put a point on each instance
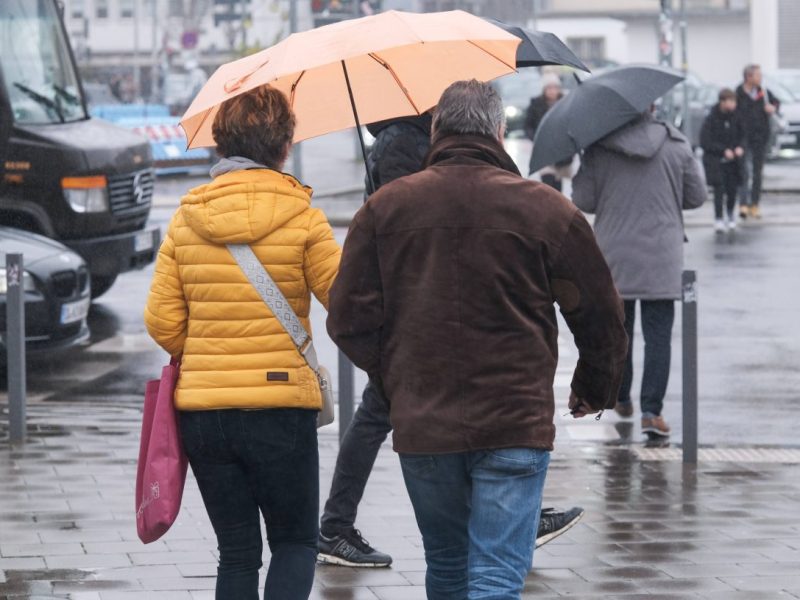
(641, 139)
(241, 207)
(422, 122)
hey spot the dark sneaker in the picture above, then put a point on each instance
(349, 549)
(655, 426)
(624, 409)
(552, 523)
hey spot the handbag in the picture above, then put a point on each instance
(161, 471)
(272, 296)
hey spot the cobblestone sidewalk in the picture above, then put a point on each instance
(654, 529)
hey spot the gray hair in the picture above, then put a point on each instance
(749, 70)
(469, 108)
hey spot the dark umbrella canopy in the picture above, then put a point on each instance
(597, 107)
(539, 48)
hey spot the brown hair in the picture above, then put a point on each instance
(258, 125)
(726, 94)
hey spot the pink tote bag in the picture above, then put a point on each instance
(161, 472)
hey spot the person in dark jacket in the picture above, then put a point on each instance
(637, 181)
(722, 140)
(756, 108)
(445, 293)
(400, 148)
(551, 93)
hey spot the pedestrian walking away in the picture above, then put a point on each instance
(722, 140)
(400, 148)
(445, 295)
(247, 399)
(551, 93)
(637, 181)
(758, 108)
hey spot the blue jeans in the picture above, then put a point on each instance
(658, 317)
(478, 513)
(253, 463)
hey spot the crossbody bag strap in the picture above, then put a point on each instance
(272, 296)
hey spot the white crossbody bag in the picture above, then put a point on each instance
(272, 296)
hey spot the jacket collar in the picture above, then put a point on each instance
(470, 150)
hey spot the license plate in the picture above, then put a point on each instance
(787, 139)
(143, 241)
(72, 312)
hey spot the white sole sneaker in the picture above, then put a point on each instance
(328, 559)
(551, 536)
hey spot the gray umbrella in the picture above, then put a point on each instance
(598, 106)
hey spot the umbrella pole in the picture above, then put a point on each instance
(370, 182)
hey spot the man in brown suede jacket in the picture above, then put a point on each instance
(446, 294)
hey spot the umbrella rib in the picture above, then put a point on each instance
(397, 80)
(294, 87)
(199, 127)
(497, 58)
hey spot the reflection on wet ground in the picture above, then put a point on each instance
(653, 528)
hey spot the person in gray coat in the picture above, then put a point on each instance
(637, 181)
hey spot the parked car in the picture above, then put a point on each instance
(56, 283)
(785, 85)
(516, 90)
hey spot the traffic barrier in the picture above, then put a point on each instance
(690, 379)
(15, 347)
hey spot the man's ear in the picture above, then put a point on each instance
(501, 133)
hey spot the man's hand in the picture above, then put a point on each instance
(578, 407)
(729, 154)
(769, 108)
(739, 151)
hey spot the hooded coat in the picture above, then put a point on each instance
(637, 181)
(446, 293)
(400, 148)
(201, 306)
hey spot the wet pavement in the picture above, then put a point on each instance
(728, 529)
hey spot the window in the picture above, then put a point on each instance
(101, 9)
(77, 9)
(175, 8)
(126, 9)
(591, 50)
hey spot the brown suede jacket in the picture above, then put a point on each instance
(446, 292)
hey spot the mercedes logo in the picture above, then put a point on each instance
(138, 189)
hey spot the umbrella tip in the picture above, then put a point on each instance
(578, 79)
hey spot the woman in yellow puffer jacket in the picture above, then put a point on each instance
(248, 402)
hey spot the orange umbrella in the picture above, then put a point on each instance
(360, 71)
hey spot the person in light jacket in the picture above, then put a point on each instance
(247, 400)
(637, 181)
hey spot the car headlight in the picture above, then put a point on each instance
(28, 282)
(86, 194)
(512, 111)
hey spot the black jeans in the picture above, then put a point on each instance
(728, 188)
(657, 319)
(362, 441)
(252, 463)
(754, 158)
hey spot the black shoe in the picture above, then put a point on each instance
(553, 523)
(349, 549)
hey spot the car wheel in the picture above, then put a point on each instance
(101, 284)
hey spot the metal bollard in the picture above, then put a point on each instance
(689, 317)
(15, 346)
(346, 393)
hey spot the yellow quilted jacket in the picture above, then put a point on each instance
(201, 306)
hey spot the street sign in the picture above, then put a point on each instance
(189, 40)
